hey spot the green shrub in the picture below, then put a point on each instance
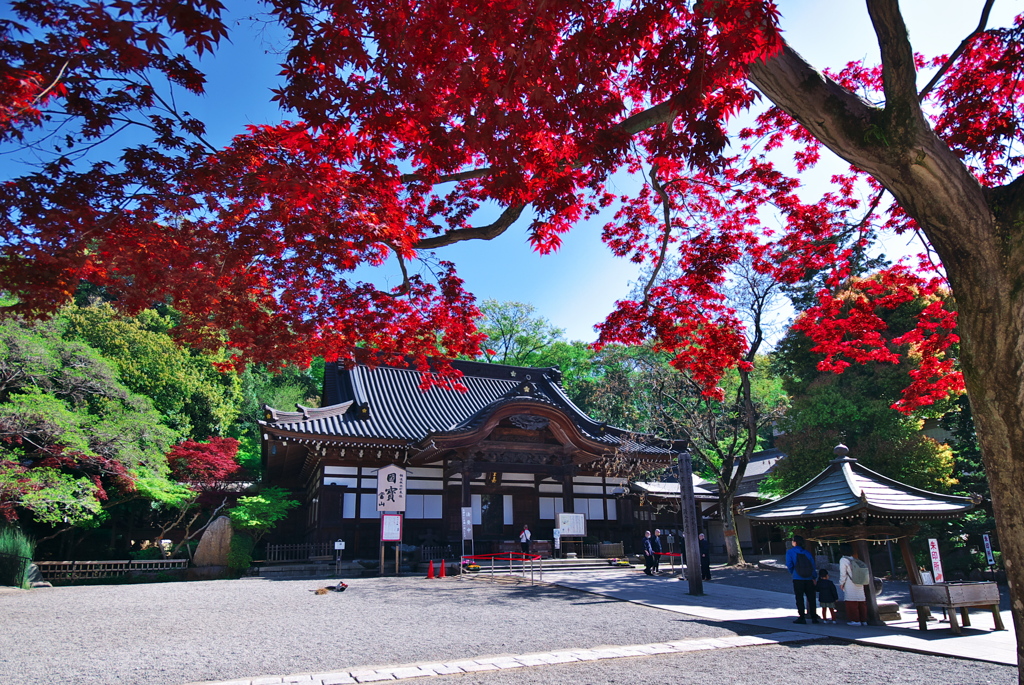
(17, 550)
(240, 554)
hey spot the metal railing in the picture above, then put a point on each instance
(79, 570)
(300, 552)
(503, 564)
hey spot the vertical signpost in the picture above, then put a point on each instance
(989, 557)
(339, 547)
(391, 487)
(467, 529)
(933, 552)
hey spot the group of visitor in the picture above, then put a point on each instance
(653, 551)
(809, 581)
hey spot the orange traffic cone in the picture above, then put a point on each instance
(430, 573)
(442, 569)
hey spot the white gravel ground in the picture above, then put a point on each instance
(175, 633)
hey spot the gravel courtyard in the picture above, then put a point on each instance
(176, 633)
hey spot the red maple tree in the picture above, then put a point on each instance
(409, 118)
(204, 464)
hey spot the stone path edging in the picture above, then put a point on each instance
(369, 675)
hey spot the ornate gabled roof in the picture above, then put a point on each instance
(846, 489)
(671, 490)
(388, 403)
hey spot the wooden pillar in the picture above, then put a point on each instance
(568, 494)
(913, 572)
(863, 552)
(913, 576)
(690, 530)
(467, 495)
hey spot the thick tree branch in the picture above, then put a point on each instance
(911, 162)
(899, 74)
(489, 232)
(834, 115)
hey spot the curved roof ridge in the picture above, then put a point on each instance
(273, 415)
(909, 488)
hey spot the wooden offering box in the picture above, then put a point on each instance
(953, 596)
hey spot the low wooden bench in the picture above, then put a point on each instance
(953, 597)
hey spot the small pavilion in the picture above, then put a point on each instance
(850, 503)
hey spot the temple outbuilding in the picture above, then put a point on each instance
(848, 503)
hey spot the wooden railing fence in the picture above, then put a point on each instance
(300, 552)
(76, 570)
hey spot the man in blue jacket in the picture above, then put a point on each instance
(801, 566)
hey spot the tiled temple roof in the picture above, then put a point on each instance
(387, 403)
(846, 489)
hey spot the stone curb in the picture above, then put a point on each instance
(371, 675)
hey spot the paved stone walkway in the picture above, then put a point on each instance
(425, 670)
(777, 610)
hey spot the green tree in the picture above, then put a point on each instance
(855, 408)
(193, 395)
(74, 439)
(253, 518)
(515, 334)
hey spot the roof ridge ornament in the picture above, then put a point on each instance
(842, 453)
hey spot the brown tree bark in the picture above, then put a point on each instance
(976, 232)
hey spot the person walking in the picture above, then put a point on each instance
(705, 557)
(657, 549)
(801, 566)
(524, 539)
(648, 554)
(853, 576)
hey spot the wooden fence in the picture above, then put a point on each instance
(76, 570)
(300, 552)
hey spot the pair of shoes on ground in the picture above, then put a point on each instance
(802, 620)
(856, 623)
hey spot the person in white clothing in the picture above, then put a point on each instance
(524, 539)
(853, 594)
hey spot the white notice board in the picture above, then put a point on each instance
(390, 527)
(572, 525)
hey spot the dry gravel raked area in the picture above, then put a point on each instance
(177, 633)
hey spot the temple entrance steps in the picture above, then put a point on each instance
(548, 566)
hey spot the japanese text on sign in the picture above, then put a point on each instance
(467, 523)
(391, 489)
(572, 525)
(391, 528)
(933, 552)
(989, 557)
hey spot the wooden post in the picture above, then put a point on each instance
(913, 572)
(914, 577)
(861, 546)
(568, 493)
(689, 513)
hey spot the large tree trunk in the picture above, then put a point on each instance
(977, 232)
(732, 542)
